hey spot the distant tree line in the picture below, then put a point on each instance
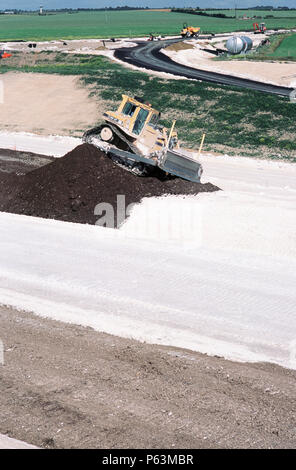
(260, 7)
(126, 7)
(191, 11)
(73, 10)
(198, 11)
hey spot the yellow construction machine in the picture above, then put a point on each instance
(133, 138)
(189, 31)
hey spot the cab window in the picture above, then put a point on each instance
(140, 121)
(129, 109)
(154, 119)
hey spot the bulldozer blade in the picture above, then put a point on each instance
(171, 161)
(180, 165)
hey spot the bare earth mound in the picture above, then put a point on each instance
(70, 187)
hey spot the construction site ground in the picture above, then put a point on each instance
(278, 73)
(20, 162)
(46, 104)
(109, 355)
(191, 53)
(72, 387)
(75, 90)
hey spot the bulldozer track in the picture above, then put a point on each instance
(148, 55)
(114, 129)
(135, 168)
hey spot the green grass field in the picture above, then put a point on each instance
(117, 24)
(236, 121)
(287, 48)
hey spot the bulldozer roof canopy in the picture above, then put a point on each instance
(136, 101)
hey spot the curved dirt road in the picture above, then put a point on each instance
(148, 55)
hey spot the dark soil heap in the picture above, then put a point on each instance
(70, 187)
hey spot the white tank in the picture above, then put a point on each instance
(234, 45)
(238, 44)
(248, 43)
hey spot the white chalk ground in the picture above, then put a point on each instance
(55, 146)
(8, 443)
(214, 273)
(74, 46)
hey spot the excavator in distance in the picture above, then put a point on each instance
(259, 28)
(133, 138)
(4, 55)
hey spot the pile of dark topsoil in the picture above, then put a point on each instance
(70, 187)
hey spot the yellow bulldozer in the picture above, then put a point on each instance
(189, 31)
(133, 138)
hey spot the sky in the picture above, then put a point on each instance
(34, 4)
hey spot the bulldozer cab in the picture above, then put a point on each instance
(133, 115)
(138, 121)
(139, 115)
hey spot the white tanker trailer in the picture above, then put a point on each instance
(238, 44)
